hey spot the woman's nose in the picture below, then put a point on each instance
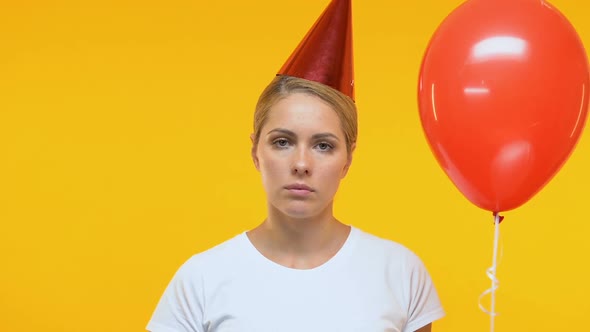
(302, 162)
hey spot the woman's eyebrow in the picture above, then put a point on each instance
(282, 131)
(325, 135)
(314, 136)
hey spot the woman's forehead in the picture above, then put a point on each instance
(301, 112)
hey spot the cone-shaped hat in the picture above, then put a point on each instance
(325, 54)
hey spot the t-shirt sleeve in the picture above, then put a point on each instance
(180, 308)
(424, 305)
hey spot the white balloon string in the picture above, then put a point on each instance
(491, 273)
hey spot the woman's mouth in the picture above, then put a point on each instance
(299, 189)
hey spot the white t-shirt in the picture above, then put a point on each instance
(370, 285)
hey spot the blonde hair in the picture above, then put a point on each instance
(283, 86)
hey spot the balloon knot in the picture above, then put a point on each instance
(500, 219)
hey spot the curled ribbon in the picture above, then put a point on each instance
(491, 273)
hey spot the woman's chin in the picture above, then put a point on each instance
(304, 209)
(300, 211)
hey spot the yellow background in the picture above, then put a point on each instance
(124, 149)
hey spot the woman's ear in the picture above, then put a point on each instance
(253, 151)
(349, 160)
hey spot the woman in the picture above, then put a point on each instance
(301, 269)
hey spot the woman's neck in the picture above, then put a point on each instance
(299, 242)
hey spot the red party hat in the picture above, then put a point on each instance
(325, 54)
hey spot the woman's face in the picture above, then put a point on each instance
(301, 155)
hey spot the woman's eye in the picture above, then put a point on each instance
(281, 142)
(324, 146)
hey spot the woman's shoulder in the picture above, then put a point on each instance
(374, 241)
(388, 249)
(218, 256)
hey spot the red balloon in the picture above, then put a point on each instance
(503, 98)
